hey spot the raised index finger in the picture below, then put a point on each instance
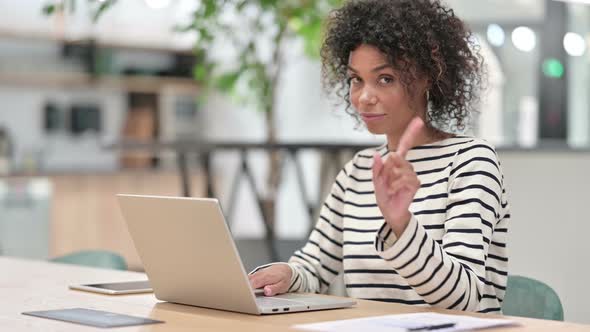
(409, 136)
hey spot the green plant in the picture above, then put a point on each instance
(270, 22)
(252, 74)
(97, 8)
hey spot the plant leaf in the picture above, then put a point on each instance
(226, 82)
(48, 9)
(102, 9)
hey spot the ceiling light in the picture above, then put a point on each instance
(574, 44)
(524, 39)
(496, 35)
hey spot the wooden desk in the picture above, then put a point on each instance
(34, 285)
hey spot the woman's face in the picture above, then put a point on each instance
(379, 96)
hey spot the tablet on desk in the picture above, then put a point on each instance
(116, 288)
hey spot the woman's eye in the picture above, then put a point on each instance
(353, 80)
(385, 80)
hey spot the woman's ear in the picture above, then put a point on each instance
(422, 85)
(425, 83)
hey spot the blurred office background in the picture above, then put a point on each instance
(70, 89)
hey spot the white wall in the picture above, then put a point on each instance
(548, 234)
(578, 77)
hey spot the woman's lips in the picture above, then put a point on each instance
(369, 117)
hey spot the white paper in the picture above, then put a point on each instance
(404, 322)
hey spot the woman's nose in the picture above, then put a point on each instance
(367, 97)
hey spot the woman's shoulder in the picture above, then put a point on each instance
(457, 145)
(472, 140)
(476, 145)
(452, 151)
(474, 151)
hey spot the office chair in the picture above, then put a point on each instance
(527, 297)
(94, 258)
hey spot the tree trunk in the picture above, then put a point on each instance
(274, 174)
(275, 159)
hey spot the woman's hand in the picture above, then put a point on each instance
(275, 279)
(395, 181)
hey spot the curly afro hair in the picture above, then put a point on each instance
(418, 37)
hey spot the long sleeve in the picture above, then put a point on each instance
(320, 260)
(457, 272)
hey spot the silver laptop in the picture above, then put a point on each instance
(190, 258)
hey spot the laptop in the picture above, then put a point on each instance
(190, 258)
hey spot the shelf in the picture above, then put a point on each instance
(36, 36)
(146, 84)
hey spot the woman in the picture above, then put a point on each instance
(423, 219)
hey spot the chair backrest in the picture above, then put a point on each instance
(94, 258)
(527, 297)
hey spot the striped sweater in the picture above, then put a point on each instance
(452, 253)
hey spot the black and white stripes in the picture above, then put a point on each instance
(452, 253)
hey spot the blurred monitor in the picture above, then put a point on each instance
(85, 117)
(53, 117)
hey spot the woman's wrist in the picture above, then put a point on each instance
(399, 226)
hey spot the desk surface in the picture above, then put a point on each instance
(35, 285)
